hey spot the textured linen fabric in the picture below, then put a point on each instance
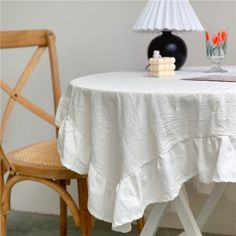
(140, 138)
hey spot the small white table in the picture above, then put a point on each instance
(140, 139)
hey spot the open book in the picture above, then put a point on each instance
(228, 77)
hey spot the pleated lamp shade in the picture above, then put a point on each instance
(168, 15)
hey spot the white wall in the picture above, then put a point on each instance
(92, 37)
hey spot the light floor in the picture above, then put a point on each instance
(28, 224)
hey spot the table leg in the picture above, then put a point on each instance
(184, 212)
(154, 219)
(209, 205)
(186, 217)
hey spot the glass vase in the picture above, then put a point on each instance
(216, 45)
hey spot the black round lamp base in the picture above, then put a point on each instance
(169, 45)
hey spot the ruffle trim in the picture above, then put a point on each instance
(124, 202)
(118, 219)
(73, 148)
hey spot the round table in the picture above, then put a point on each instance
(140, 139)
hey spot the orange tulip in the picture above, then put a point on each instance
(223, 36)
(216, 39)
(207, 36)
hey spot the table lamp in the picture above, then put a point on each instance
(168, 16)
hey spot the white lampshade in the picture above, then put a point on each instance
(168, 15)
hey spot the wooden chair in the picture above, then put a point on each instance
(39, 162)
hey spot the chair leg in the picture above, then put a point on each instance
(85, 217)
(3, 218)
(140, 224)
(63, 213)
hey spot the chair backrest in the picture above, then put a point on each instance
(42, 39)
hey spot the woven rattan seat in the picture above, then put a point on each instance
(41, 156)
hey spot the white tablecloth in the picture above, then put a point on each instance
(139, 138)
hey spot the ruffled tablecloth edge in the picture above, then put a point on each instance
(76, 164)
